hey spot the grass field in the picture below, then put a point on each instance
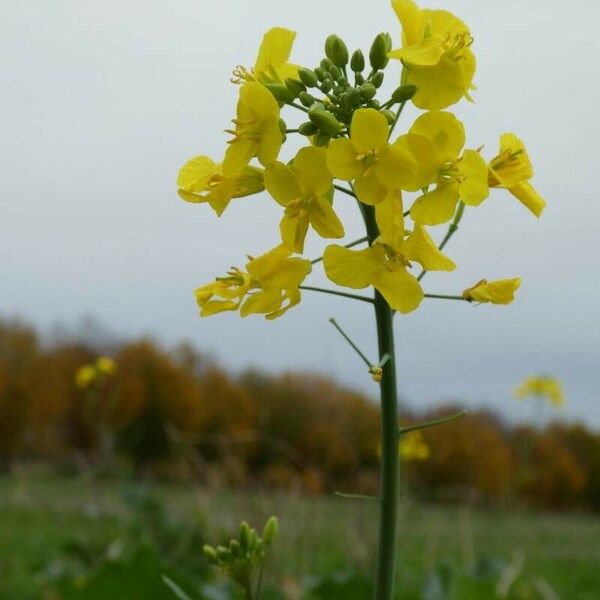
(54, 530)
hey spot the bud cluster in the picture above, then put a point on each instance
(331, 95)
(240, 558)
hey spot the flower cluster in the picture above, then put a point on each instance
(542, 387)
(404, 183)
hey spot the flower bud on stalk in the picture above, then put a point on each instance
(280, 92)
(378, 55)
(403, 93)
(308, 77)
(336, 50)
(357, 62)
(377, 79)
(294, 86)
(325, 121)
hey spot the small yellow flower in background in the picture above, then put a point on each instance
(89, 374)
(202, 180)
(512, 170)
(376, 166)
(436, 140)
(272, 61)
(413, 447)
(544, 387)
(256, 132)
(385, 264)
(501, 291)
(436, 55)
(306, 191)
(270, 286)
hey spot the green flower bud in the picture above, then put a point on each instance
(280, 91)
(378, 55)
(337, 74)
(210, 554)
(390, 115)
(325, 121)
(321, 74)
(352, 98)
(308, 77)
(404, 93)
(244, 535)
(321, 139)
(270, 531)
(336, 51)
(306, 99)
(359, 79)
(357, 62)
(223, 554)
(326, 86)
(368, 90)
(253, 540)
(377, 79)
(308, 128)
(294, 86)
(235, 548)
(326, 64)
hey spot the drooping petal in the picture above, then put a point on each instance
(264, 301)
(353, 268)
(249, 181)
(369, 189)
(195, 174)
(368, 130)
(281, 183)
(270, 144)
(501, 291)
(310, 166)
(213, 307)
(401, 289)
(410, 18)
(422, 249)
(512, 165)
(474, 189)
(293, 231)
(342, 159)
(220, 196)
(274, 51)
(238, 155)
(527, 195)
(425, 157)
(445, 131)
(437, 206)
(390, 219)
(324, 219)
(426, 53)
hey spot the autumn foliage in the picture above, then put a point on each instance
(178, 414)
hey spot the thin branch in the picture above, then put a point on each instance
(350, 245)
(447, 297)
(355, 496)
(336, 293)
(298, 106)
(352, 344)
(398, 113)
(451, 231)
(433, 423)
(341, 188)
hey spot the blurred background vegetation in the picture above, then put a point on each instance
(110, 484)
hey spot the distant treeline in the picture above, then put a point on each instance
(176, 413)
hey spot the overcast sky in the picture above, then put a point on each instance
(103, 101)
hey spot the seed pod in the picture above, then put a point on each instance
(404, 93)
(357, 62)
(378, 55)
(336, 50)
(308, 77)
(377, 79)
(294, 86)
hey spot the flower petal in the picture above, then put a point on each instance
(310, 166)
(342, 159)
(444, 130)
(194, 175)
(527, 195)
(474, 189)
(401, 289)
(353, 268)
(369, 130)
(369, 189)
(324, 219)
(422, 249)
(281, 183)
(437, 206)
(396, 168)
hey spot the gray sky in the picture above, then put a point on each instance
(103, 101)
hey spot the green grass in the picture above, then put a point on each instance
(49, 526)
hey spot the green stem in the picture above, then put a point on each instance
(310, 288)
(352, 344)
(433, 423)
(341, 188)
(398, 113)
(390, 437)
(447, 297)
(298, 106)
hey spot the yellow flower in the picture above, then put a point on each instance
(542, 386)
(85, 376)
(270, 286)
(272, 61)
(384, 264)
(256, 131)
(413, 447)
(512, 169)
(305, 190)
(106, 365)
(436, 55)
(501, 291)
(202, 180)
(436, 140)
(375, 166)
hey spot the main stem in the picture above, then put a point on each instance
(390, 437)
